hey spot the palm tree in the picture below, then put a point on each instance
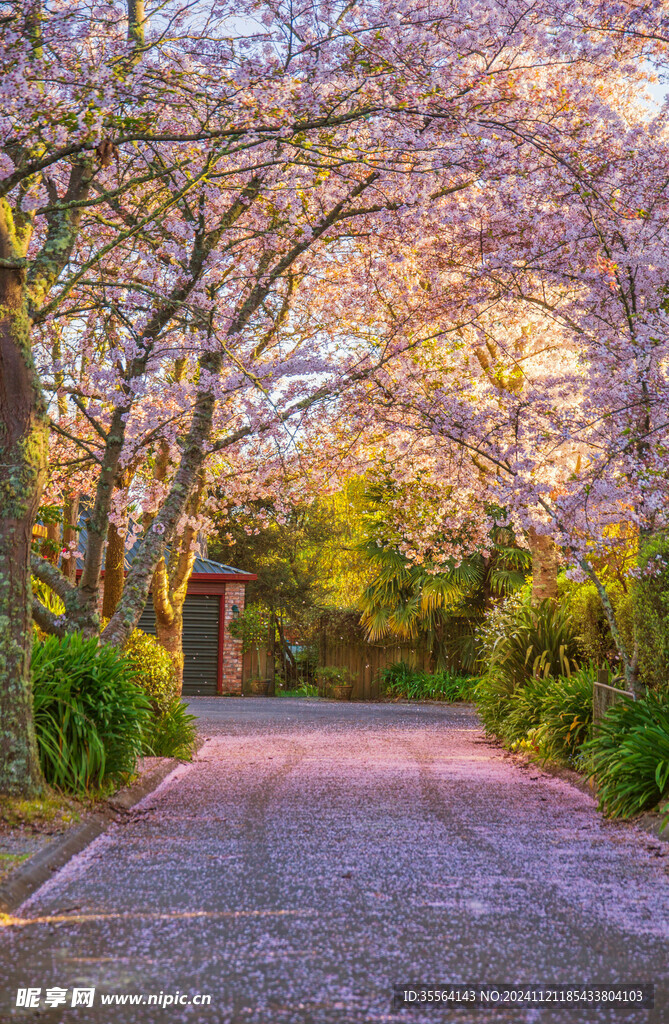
(411, 601)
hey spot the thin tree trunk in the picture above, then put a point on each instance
(114, 567)
(51, 549)
(70, 535)
(23, 460)
(545, 564)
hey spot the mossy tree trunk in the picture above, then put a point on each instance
(24, 424)
(115, 556)
(170, 581)
(23, 460)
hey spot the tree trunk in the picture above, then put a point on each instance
(23, 455)
(169, 631)
(168, 605)
(70, 535)
(51, 549)
(114, 565)
(544, 567)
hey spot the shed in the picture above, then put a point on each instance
(215, 595)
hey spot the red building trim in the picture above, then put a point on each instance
(208, 582)
(226, 577)
(221, 642)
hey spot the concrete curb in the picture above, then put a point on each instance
(33, 873)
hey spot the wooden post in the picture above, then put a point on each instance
(604, 696)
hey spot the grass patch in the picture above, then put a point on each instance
(9, 861)
(306, 690)
(47, 812)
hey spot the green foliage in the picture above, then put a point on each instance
(493, 697)
(154, 670)
(533, 642)
(172, 733)
(411, 600)
(651, 612)
(550, 717)
(400, 680)
(629, 756)
(641, 606)
(566, 716)
(590, 623)
(304, 556)
(251, 627)
(525, 708)
(305, 690)
(89, 713)
(333, 675)
(406, 600)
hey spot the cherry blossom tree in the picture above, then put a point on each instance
(177, 188)
(110, 126)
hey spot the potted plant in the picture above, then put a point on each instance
(258, 687)
(334, 681)
(252, 628)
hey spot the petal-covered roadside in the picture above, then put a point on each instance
(317, 853)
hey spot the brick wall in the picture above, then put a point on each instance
(232, 649)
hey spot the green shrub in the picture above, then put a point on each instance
(333, 675)
(400, 680)
(524, 709)
(154, 669)
(497, 622)
(493, 697)
(89, 712)
(590, 623)
(172, 733)
(252, 627)
(566, 716)
(629, 756)
(539, 641)
(548, 717)
(565, 721)
(650, 600)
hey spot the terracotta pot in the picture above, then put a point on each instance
(342, 691)
(260, 687)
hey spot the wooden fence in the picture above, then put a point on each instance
(604, 696)
(364, 663)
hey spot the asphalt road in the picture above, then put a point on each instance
(318, 853)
